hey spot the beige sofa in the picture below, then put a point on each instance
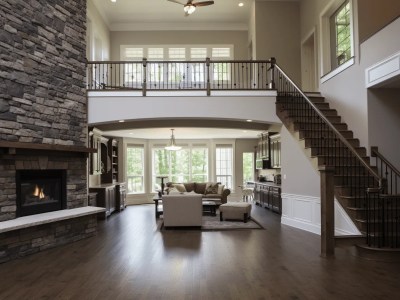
(182, 210)
(220, 197)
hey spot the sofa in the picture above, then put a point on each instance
(208, 190)
(182, 210)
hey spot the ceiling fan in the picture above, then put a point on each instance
(190, 6)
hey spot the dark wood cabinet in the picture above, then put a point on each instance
(105, 198)
(275, 148)
(268, 195)
(263, 149)
(120, 192)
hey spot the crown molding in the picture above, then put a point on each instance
(183, 26)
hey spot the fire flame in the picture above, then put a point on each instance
(38, 192)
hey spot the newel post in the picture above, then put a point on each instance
(271, 85)
(144, 76)
(208, 76)
(327, 211)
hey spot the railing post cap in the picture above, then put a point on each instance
(325, 168)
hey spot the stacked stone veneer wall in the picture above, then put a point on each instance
(22, 242)
(42, 91)
(76, 178)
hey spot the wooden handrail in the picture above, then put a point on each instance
(376, 153)
(330, 125)
(177, 61)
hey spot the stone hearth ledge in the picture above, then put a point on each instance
(44, 218)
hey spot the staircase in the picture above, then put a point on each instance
(358, 186)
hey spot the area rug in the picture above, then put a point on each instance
(211, 223)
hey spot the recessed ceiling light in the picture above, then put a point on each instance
(240, 4)
(249, 120)
(244, 130)
(130, 132)
(121, 121)
(113, 1)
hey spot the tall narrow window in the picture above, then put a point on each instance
(155, 70)
(135, 169)
(221, 70)
(340, 35)
(248, 167)
(224, 164)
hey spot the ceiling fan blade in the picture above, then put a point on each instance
(176, 1)
(204, 3)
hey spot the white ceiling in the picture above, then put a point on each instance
(126, 15)
(185, 133)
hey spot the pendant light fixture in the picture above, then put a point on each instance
(172, 145)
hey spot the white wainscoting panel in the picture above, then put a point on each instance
(385, 70)
(304, 212)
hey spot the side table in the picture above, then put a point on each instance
(158, 207)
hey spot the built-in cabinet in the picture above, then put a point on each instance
(275, 148)
(111, 194)
(268, 195)
(263, 150)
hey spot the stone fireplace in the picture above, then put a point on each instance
(43, 126)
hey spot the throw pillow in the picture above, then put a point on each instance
(220, 188)
(211, 189)
(180, 187)
(173, 191)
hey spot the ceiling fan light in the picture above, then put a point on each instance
(189, 9)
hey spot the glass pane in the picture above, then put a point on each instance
(135, 169)
(248, 167)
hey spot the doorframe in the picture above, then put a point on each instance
(312, 63)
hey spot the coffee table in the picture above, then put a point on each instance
(209, 207)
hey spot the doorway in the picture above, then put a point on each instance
(308, 64)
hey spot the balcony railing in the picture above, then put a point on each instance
(205, 75)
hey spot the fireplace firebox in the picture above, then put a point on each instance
(40, 191)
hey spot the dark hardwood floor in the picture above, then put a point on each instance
(131, 259)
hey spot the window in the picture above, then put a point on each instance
(248, 167)
(340, 35)
(185, 165)
(135, 168)
(155, 70)
(337, 38)
(224, 164)
(221, 71)
(133, 71)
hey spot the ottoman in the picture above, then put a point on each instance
(235, 210)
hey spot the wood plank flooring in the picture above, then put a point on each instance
(131, 259)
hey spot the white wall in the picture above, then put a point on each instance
(99, 34)
(278, 34)
(111, 109)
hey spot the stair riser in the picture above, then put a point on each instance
(314, 133)
(341, 160)
(316, 142)
(332, 119)
(358, 181)
(332, 151)
(305, 126)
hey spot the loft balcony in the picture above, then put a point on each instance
(183, 78)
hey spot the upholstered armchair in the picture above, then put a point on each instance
(182, 210)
